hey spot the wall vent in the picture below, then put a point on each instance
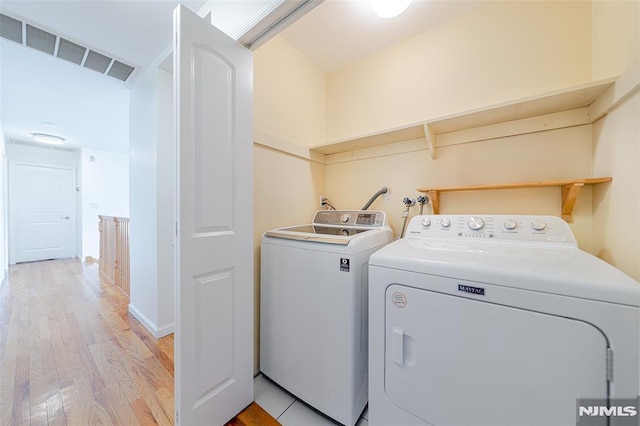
(54, 45)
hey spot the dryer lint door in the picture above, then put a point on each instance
(451, 360)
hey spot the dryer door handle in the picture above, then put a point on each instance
(397, 345)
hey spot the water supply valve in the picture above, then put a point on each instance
(409, 202)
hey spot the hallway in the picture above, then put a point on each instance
(71, 354)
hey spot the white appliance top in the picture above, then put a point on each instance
(535, 253)
(334, 226)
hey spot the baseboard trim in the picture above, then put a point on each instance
(165, 330)
(152, 328)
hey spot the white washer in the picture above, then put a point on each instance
(313, 316)
(497, 320)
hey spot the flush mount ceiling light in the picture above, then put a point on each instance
(389, 8)
(48, 139)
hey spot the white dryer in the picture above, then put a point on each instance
(497, 320)
(313, 308)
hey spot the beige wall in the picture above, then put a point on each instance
(290, 100)
(617, 205)
(616, 151)
(552, 155)
(616, 37)
(290, 107)
(500, 52)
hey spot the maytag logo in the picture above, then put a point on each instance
(469, 289)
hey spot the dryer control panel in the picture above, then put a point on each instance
(499, 228)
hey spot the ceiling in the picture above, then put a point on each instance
(44, 94)
(340, 32)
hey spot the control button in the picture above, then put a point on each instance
(445, 223)
(475, 223)
(538, 225)
(426, 222)
(510, 224)
(345, 218)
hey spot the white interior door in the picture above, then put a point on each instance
(42, 212)
(214, 297)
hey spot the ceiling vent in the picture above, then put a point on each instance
(71, 52)
(13, 29)
(10, 28)
(120, 70)
(97, 62)
(41, 40)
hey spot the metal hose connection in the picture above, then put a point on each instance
(408, 203)
(382, 190)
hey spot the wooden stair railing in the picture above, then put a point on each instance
(114, 251)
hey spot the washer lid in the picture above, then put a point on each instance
(566, 271)
(336, 227)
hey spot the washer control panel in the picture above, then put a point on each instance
(521, 228)
(364, 218)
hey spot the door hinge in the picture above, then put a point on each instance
(177, 418)
(609, 364)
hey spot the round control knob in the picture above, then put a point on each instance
(538, 225)
(475, 223)
(510, 224)
(445, 223)
(426, 222)
(345, 218)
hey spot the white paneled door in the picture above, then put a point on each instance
(214, 298)
(41, 212)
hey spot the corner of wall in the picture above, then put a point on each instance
(153, 328)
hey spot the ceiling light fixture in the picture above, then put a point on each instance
(48, 139)
(389, 8)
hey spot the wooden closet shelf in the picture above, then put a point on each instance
(570, 191)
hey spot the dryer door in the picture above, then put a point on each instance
(452, 360)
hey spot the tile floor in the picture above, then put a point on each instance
(288, 410)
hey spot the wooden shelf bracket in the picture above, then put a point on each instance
(430, 136)
(569, 196)
(570, 191)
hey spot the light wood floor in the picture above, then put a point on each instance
(70, 354)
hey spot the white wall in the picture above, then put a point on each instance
(152, 201)
(166, 200)
(4, 259)
(105, 191)
(142, 201)
(41, 155)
